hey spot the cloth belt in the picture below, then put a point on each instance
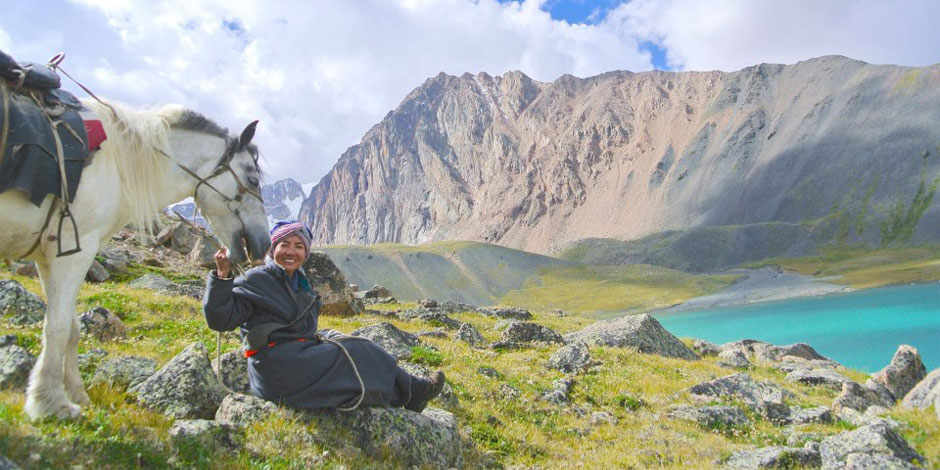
(252, 352)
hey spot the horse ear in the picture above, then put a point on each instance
(247, 134)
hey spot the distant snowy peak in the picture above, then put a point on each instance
(282, 199)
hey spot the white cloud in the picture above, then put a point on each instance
(732, 34)
(319, 74)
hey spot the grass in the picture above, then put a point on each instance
(504, 419)
(603, 291)
(864, 268)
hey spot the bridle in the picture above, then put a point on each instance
(225, 165)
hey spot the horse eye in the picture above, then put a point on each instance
(253, 181)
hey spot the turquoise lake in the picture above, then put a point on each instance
(861, 330)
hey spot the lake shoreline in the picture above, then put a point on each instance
(765, 284)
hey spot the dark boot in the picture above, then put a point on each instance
(425, 392)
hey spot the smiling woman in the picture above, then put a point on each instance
(289, 361)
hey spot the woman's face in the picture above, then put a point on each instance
(290, 253)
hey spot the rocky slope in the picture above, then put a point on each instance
(830, 142)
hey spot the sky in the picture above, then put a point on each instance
(319, 73)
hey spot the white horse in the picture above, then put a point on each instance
(149, 160)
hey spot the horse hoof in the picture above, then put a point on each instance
(68, 411)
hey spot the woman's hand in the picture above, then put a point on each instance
(223, 267)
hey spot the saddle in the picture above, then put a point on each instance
(44, 141)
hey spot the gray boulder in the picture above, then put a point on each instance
(126, 371)
(240, 410)
(876, 462)
(203, 434)
(528, 332)
(710, 417)
(571, 358)
(774, 457)
(177, 237)
(903, 373)
(103, 325)
(507, 312)
(18, 305)
(765, 398)
(642, 332)
(560, 394)
(825, 377)
(449, 306)
(398, 343)
(184, 388)
(234, 373)
(160, 284)
(400, 437)
(861, 397)
(734, 358)
(338, 298)
(469, 334)
(925, 393)
(97, 272)
(705, 348)
(202, 254)
(873, 439)
(15, 364)
(816, 414)
(376, 292)
(7, 464)
(439, 319)
(115, 260)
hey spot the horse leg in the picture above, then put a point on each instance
(46, 394)
(74, 386)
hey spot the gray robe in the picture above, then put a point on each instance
(298, 370)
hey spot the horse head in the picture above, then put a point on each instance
(230, 198)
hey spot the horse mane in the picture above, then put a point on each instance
(135, 139)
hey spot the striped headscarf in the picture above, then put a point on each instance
(286, 228)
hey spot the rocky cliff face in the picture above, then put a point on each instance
(534, 165)
(282, 199)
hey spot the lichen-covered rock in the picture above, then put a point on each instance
(859, 398)
(103, 325)
(97, 272)
(710, 417)
(571, 358)
(560, 394)
(7, 464)
(774, 457)
(903, 373)
(440, 319)
(160, 284)
(642, 332)
(377, 292)
(202, 434)
(240, 410)
(825, 377)
(202, 254)
(449, 306)
(177, 237)
(705, 348)
(15, 364)
(234, 373)
(429, 439)
(816, 414)
(115, 260)
(878, 438)
(876, 462)
(398, 343)
(925, 393)
(507, 312)
(337, 297)
(765, 398)
(126, 371)
(184, 388)
(18, 305)
(469, 334)
(528, 332)
(734, 358)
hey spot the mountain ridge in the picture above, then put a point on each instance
(537, 165)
